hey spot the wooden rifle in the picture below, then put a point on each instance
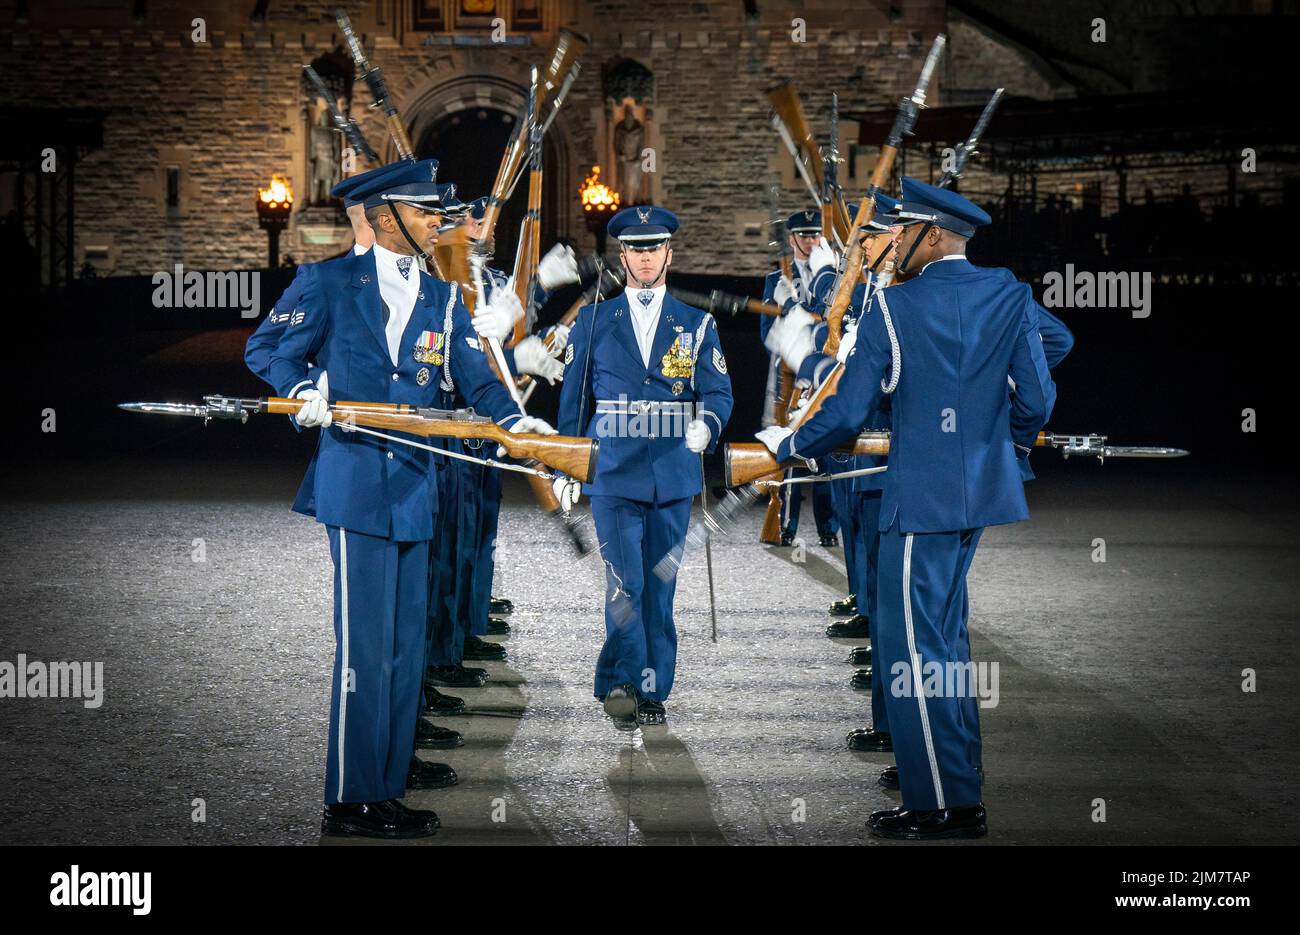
(747, 462)
(575, 457)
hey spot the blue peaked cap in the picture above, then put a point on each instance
(643, 226)
(923, 203)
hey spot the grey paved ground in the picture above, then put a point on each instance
(1119, 681)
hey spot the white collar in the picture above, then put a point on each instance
(950, 256)
(384, 256)
(635, 303)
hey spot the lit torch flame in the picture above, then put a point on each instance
(278, 194)
(596, 195)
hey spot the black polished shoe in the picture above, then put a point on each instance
(855, 628)
(424, 775)
(432, 737)
(500, 605)
(454, 677)
(426, 814)
(386, 819)
(861, 681)
(650, 713)
(887, 813)
(441, 705)
(620, 705)
(968, 821)
(845, 608)
(866, 740)
(787, 539)
(860, 655)
(828, 542)
(498, 627)
(888, 778)
(477, 648)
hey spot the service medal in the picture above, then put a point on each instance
(677, 362)
(422, 376)
(428, 348)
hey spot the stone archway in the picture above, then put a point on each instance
(465, 123)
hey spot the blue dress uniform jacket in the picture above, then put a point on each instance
(952, 470)
(646, 476)
(363, 483)
(643, 465)
(952, 421)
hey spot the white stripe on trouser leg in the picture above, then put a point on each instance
(343, 661)
(915, 660)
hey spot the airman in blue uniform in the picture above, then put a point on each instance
(859, 495)
(645, 374)
(954, 468)
(464, 557)
(384, 331)
(812, 269)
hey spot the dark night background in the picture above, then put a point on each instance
(1152, 124)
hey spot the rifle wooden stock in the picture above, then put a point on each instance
(452, 257)
(853, 261)
(528, 255)
(397, 130)
(784, 99)
(575, 457)
(569, 47)
(903, 122)
(747, 462)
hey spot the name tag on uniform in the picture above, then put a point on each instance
(428, 348)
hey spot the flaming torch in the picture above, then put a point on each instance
(274, 205)
(599, 203)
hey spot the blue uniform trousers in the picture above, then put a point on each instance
(485, 566)
(865, 516)
(841, 491)
(922, 613)
(792, 501)
(381, 594)
(453, 553)
(640, 638)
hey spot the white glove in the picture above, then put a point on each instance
(849, 339)
(497, 318)
(323, 384)
(558, 268)
(697, 435)
(820, 257)
(532, 357)
(559, 340)
(790, 337)
(783, 292)
(315, 411)
(773, 435)
(567, 491)
(528, 424)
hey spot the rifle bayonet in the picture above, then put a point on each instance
(374, 79)
(345, 125)
(970, 146)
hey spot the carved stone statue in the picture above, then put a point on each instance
(629, 137)
(325, 168)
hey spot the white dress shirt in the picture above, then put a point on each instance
(398, 293)
(645, 319)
